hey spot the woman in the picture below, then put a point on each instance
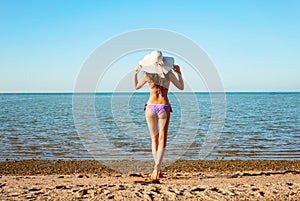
(158, 108)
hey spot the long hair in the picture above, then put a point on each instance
(157, 80)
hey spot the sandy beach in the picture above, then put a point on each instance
(183, 180)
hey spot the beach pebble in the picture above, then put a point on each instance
(83, 192)
(149, 196)
(155, 190)
(34, 189)
(135, 175)
(83, 176)
(198, 189)
(138, 194)
(14, 194)
(106, 192)
(121, 187)
(118, 175)
(61, 187)
(30, 197)
(255, 189)
(231, 193)
(178, 192)
(215, 189)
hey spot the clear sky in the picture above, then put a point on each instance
(254, 44)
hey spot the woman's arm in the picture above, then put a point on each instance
(137, 84)
(177, 82)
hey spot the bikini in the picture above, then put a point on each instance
(158, 109)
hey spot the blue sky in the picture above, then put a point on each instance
(254, 44)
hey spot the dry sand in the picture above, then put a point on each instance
(184, 180)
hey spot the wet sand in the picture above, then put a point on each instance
(129, 180)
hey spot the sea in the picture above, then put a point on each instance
(112, 126)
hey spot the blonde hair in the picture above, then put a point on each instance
(158, 80)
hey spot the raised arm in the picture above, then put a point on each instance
(137, 84)
(178, 82)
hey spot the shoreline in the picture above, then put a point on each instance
(183, 180)
(50, 167)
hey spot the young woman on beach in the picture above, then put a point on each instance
(157, 110)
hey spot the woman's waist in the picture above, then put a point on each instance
(163, 101)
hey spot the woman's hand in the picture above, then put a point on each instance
(176, 68)
(137, 69)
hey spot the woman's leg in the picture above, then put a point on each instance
(158, 127)
(152, 122)
(163, 124)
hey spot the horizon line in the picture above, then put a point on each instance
(99, 92)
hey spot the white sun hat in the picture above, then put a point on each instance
(156, 63)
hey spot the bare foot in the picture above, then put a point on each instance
(156, 175)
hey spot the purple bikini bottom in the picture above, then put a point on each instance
(158, 109)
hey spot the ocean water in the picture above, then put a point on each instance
(111, 126)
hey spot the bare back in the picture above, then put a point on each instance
(158, 88)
